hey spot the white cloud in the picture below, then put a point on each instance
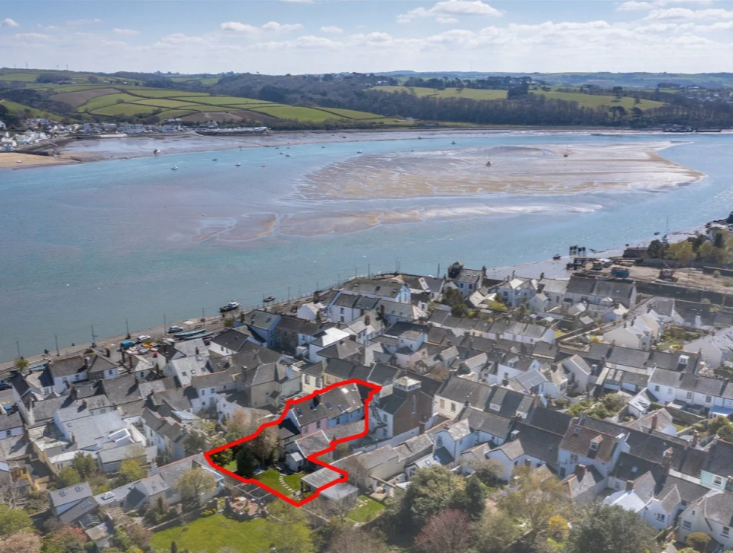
(247, 29)
(125, 31)
(332, 29)
(31, 36)
(7, 22)
(236, 27)
(633, 5)
(280, 28)
(692, 15)
(84, 21)
(448, 11)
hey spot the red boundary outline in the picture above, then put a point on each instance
(312, 458)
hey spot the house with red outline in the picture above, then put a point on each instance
(366, 390)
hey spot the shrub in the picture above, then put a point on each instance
(698, 541)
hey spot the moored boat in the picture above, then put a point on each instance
(231, 306)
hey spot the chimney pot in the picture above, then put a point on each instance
(629, 485)
(580, 470)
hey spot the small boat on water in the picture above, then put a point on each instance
(454, 143)
(358, 151)
(214, 159)
(231, 306)
(656, 233)
(189, 334)
(237, 165)
(269, 299)
(287, 155)
(557, 257)
(174, 168)
(156, 151)
(488, 164)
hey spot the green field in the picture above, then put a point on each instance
(24, 77)
(162, 103)
(20, 110)
(473, 94)
(106, 100)
(586, 100)
(130, 100)
(208, 535)
(594, 101)
(127, 110)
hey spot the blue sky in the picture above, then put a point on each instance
(309, 36)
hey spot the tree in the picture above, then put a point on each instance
(195, 441)
(698, 541)
(195, 483)
(65, 540)
(84, 464)
(535, 499)
(449, 530)
(229, 322)
(610, 529)
(681, 251)
(69, 476)
(130, 471)
(459, 310)
(13, 520)
(476, 494)
(657, 249)
(265, 445)
(239, 425)
(431, 491)
(139, 534)
(21, 542)
(489, 471)
(21, 363)
(494, 532)
(246, 462)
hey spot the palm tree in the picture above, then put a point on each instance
(21, 363)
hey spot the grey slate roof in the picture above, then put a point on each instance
(578, 440)
(70, 494)
(8, 422)
(720, 459)
(552, 421)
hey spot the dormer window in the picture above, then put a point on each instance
(495, 407)
(595, 443)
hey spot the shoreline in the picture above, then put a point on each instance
(31, 157)
(532, 269)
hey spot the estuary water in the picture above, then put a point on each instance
(99, 243)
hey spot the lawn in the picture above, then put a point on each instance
(271, 478)
(212, 533)
(367, 510)
(20, 110)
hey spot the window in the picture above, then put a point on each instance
(562, 473)
(452, 407)
(708, 399)
(342, 310)
(686, 524)
(656, 388)
(318, 424)
(689, 395)
(414, 404)
(307, 379)
(8, 433)
(661, 517)
(442, 403)
(726, 531)
(718, 480)
(573, 458)
(203, 392)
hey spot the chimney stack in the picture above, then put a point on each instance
(367, 319)
(629, 485)
(694, 438)
(197, 350)
(654, 421)
(580, 470)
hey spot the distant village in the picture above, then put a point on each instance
(43, 131)
(618, 388)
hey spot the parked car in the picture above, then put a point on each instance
(174, 328)
(143, 337)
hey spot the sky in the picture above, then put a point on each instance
(323, 36)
